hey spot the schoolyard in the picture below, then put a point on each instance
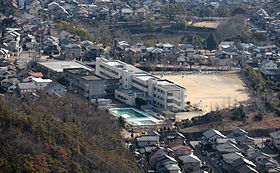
(212, 91)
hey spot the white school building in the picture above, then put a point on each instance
(135, 83)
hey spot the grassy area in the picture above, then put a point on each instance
(171, 39)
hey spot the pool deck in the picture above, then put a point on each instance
(137, 120)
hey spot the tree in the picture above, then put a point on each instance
(232, 28)
(208, 12)
(238, 10)
(130, 58)
(192, 39)
(211, 42)
(172, 10)
(223, 12)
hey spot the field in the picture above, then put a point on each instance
(212, 91)
(206, 24)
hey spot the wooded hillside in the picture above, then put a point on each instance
(52, 134)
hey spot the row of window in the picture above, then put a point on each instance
(121, 97)
(173, 101)
(159, 90)
(139, 83)
(158, 97)
(108, 69)
(158, 104)
(104, 74)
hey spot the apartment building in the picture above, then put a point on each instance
(135, 83)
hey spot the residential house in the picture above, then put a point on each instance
(51, 48)
(225, 140)
(14, 46)
(248, 149)
(27, 79)
(237, 132)
(126, 13)
(174, 139)
(41, 83)
(188, 49)
(167, 164)
(181, 150)
(270, 69)
(242, 161)
(103, 12)
(191, 163)
(56, 11)
(156, 7)
(154, 54)
(55, 88)
(211, 136)
(92, 51)
(12, 35)
(25, 88)
(153, 133)
(10, 6)
(72, 51)
(28, 42)
(4, 74)
(241, 137)
(140, 13)
(33, 74)
(9, 85)
(170, 168)
(227, 147)
(165, 46)
(231, 157)
(4, 53)
(260, 156)
(247, 169)
(275, 139)
(244, 140)
(155, 154)
(146, 140)
(226, 44)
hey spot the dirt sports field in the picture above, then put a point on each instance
(211, 91)
(206, 24)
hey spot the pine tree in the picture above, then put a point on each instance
(211, 42)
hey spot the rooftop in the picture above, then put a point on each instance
(147, 138)
(38, 80)
(28, 85)
(58, 66)
(92, 77)
(181, 147)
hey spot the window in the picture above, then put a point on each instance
(139, 83)
(169, 101)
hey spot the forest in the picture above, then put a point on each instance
(45, 133)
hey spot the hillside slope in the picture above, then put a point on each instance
(51, 134)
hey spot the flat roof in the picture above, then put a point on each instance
(41, 80)
(168, 85)
(58, 66)
(92, 77)
(144, 77)
(121, 65)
